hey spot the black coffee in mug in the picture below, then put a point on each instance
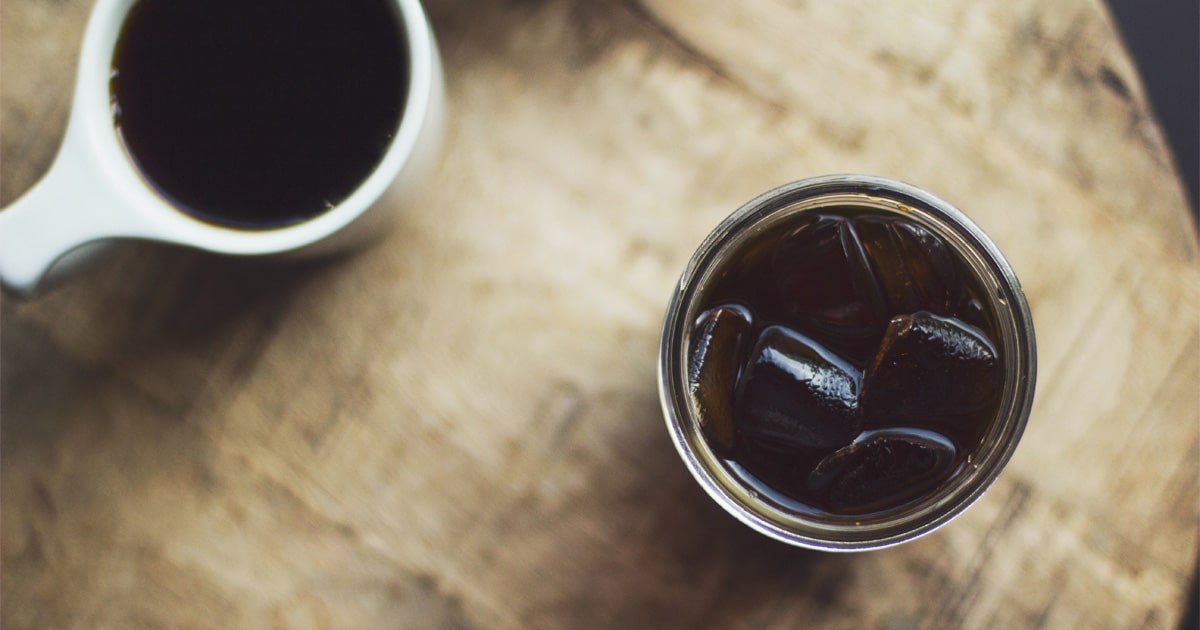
(258, 113)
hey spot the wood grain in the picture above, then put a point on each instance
(459, 427)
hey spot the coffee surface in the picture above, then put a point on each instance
(258, 114)
(844, 362)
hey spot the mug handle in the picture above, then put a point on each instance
(68, 208)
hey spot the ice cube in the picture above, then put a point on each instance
(929, 366)
(824, 278)
(914, 268)
(882, 469)
(930, 264)
(717, 352)
(794, 392)
(881, 241)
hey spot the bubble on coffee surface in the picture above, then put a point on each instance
(872, 373)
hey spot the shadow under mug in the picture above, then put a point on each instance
(94, 193)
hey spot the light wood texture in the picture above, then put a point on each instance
(460, 428)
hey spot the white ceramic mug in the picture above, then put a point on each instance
(93, 192)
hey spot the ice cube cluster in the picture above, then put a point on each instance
(795, 398)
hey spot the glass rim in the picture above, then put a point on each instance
(1006, 301)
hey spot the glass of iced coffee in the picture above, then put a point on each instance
(847, 363)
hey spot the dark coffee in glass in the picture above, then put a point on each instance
(844, 361)
(847, 364)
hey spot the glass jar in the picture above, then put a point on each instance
(778, 513)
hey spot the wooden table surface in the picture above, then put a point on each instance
(459, 427)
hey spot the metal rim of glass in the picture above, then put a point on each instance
(914, 519)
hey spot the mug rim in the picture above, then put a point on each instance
(745, 503)
(150, 215)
